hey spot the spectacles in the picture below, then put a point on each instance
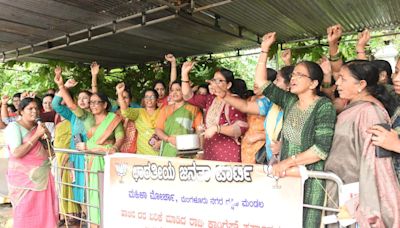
(94, 103)
(150, 97)
(299, 75)
(217, 81)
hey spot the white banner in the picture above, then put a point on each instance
(149, 191)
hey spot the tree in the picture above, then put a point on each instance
(18, 77)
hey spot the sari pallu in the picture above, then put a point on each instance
(99, 139)
(130, 142)
(353, 159)
(180, 122)
(32, 189)
(145, 127)
(396, 126)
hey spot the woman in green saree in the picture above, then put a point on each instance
(105, 135)
(179, 118)
(308, 126)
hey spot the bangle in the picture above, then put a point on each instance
(293, 157)
(218, 128)
(335, 57)
(266, 52)
(61, 86)
(326, 85)
(30, 143)
(184, 81)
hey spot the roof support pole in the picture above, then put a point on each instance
(93, 32)
(68, 39)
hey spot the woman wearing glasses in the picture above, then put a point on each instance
(144, 118)
(223, 123)
(308, 125)
(105, 135)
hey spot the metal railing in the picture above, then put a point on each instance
(86, 204)
(325, 176)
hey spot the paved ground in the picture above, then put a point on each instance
(5, 215)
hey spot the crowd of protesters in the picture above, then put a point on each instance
(328, 116)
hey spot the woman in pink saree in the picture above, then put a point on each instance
(30, 182)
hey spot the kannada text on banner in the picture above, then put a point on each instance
(146, 191)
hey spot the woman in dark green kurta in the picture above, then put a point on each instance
(308, 125)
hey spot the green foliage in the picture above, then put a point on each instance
(19, 77)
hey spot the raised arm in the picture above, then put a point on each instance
(363, 38)
(94, 70)
(334, 34)
(56, 103)
(242, 105)
(261, 70)
(173, 75)
(2, 124)
(186, 88)
(272, 92)
(4, 107)
(327, 87)
(287, 57)
(63, 90)
(120, 90)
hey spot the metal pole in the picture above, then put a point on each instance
(89, 31)
(211, 6)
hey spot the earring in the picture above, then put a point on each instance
(359, 90)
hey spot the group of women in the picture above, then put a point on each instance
(291, 120)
